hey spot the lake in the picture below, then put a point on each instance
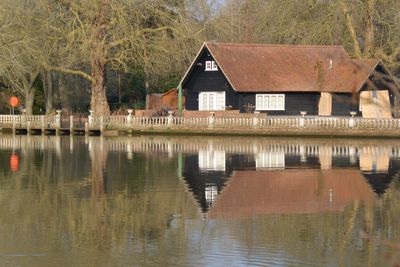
(198, 201)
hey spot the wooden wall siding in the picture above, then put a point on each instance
(342, 104)
(294, 103)
(245, 99)
(200, 80)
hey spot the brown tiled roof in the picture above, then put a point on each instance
(290, 68)
(250, 193)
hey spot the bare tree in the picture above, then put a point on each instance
(119, 34)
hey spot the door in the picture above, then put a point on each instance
(212, 101)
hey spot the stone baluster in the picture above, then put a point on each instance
(14, 123)
(42, 123)
(101, 124)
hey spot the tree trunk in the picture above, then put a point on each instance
(146, 85)
(48, 91)
(29, 99)
(119, 90)
(62, 94)
(98, 100)
(29, 91)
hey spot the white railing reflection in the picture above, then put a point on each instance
(224, 146)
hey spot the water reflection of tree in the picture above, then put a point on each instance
(135, 214)
(118, 208)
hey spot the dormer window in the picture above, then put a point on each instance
(211, 65)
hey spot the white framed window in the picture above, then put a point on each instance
(211, 65)
(212, 101)
(270, 101)
(212, 160)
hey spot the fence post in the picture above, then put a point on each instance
(302, 119)
(352, 121)
(42, 122)
(255, 118)
(211, 120)
(101, 124)
(28, 127)
(129, 117)
(90, 117)
(23, 118)
(71, 124)
(14, 130)
(170, 117)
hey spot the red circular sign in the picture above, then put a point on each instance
(14, 101)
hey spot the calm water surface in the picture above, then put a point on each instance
(198, 201)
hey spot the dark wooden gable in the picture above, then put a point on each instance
(379, 79)
(200, 80)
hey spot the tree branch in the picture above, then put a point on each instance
(369, 33)
(74, 72)
(351, 29)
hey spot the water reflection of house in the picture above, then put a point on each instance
(207, 172)
(289, 180)
(378, 168)
(290, 192)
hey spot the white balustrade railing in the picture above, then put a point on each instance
(37, 121)
(279, 122)
(271, 122)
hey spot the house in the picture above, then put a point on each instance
(288, 79)
(168, 99)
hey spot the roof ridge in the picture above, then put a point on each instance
(276, 45)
